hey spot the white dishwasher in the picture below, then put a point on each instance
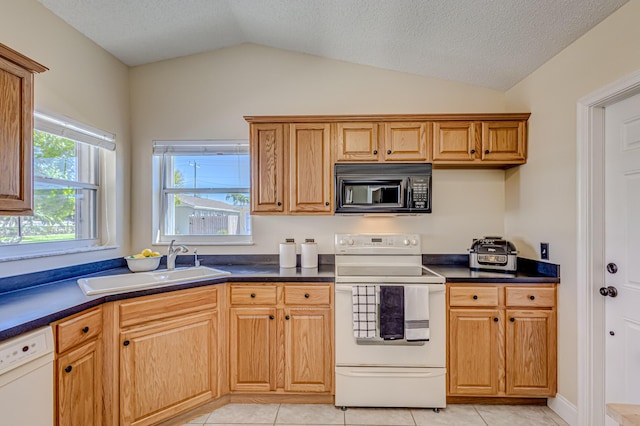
(26, 379)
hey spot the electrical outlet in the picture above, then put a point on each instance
(544, 251)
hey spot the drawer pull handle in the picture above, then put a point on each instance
(306, 295)
(532, 297)
(126, 343)
(271, 317)
(68, 368)
(85, 329)
(495, 319)
(253, 295)
(475, 297)
(287, 317)
(512, 319)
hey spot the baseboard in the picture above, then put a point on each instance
(565, 409)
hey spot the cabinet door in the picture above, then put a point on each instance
(267, 168)
(454, 141)
(531, 353)
(16, 128)
(79, 386)
(406, 141)
(504, 141)
(252, 349)
(357, 142)
(308, 350)
(310, 168)
(475, 351)
(167, 367)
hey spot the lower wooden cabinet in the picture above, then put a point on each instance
(168, 354)
(502, 340)
(78, 369)
(281, 337)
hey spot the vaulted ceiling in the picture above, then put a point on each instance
(490, 43)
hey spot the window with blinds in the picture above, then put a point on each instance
(67, 198)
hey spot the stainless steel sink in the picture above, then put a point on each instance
(141, 280)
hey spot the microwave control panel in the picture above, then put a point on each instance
(419, 190)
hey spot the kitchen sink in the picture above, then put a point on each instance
(141, 280)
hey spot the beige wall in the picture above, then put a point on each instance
(206, 96)
(541, 196)
(84, 83)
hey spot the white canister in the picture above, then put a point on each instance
(309, 254)
(288, 254)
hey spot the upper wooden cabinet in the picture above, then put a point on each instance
(16, 131)
(372, 142)
(291, 168)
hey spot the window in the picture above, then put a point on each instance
(203, 191)
(66, 175)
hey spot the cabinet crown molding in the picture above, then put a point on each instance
(21, 60)
(385, 117)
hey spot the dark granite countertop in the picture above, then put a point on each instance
(35, 300)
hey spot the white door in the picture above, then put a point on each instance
(622, 252)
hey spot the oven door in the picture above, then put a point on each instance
(351, 351)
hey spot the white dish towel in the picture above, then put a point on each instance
(364, 311)
(416, 313)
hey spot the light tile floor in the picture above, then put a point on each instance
(325, 415)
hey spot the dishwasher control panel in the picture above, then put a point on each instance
(25, 348)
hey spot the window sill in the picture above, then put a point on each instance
(204, 243)
(74, 250)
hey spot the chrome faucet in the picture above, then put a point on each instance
(173, 253)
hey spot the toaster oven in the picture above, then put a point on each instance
(493, 254)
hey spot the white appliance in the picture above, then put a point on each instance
(26, 379)
(372, 371)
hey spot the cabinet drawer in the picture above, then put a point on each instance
(175, 303)
(77, 330)
(307, 295)
(473, 296)
(253, 295)
(531, 297)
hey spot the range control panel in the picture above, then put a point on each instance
(405, 244)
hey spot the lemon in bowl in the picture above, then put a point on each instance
(146, 260)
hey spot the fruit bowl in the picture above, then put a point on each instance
(144, 261)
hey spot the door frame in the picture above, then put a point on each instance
(590, 248)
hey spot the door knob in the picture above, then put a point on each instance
(610, 291)
(612, 268)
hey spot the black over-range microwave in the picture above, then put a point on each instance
(383, 188)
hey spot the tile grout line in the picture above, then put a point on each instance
(481, 418)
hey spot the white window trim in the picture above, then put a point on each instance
(185, 147)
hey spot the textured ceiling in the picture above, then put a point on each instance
(491, 43)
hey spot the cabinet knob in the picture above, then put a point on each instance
(326, 203)
(486, 151)
(375, 152)
(532, 297)
(253, 295)
(287, 317)
(271, 317)
(68, 368)
(126, 343)
(475, 297)
(495, 319)
(473, 151)
(306, 295)
(512, 319)
(279, 203)
(85, 329)
(388, 151)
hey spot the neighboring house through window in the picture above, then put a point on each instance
(203, 192)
